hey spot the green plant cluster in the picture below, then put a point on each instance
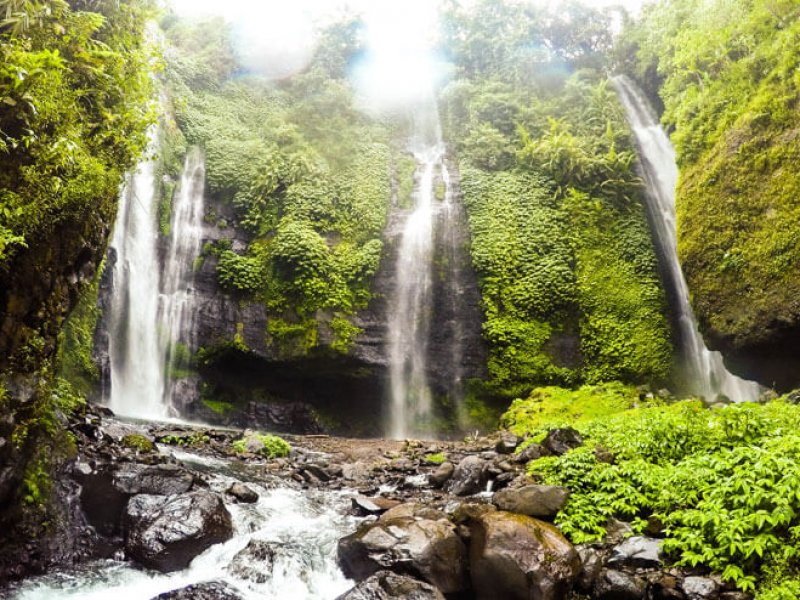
(272, 446)
(726, 71)
(560, 242)
(307, 174)
(721, 484)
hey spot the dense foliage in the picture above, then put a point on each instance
(306, 175)
(75, 91)
(721, 485)
(75, 94)
(559, 237)
(728, 75)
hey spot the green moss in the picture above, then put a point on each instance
(138, 442)
(75, 361)
(292, 339)
(219, 407)
(552, 407)
(435, 459)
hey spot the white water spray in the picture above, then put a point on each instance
(708, 376)
(150, 309)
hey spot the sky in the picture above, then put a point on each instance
(276, 38)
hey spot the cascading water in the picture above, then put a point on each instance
(135, 353)
(708, 376)
(410, 309)
(302, 526)
(150, 308)
(176, 315)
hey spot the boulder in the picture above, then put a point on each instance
(385, 585)
(243, 493)
(415, 510)
(530, 452)
(560, 441)
(167, 533)
(507, 443)
(469, 477)
(423, 548)
(700, 588)
(664, 587)
(373, 506)
(616, 585)
(638, 553)
(210, 590)
(163, 480)
(591, 565)
(542, 501)
(518, 557)
(254, 562)
(442, 473)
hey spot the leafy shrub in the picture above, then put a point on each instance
(272, 446)
(723, 482)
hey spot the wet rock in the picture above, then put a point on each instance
(530, 452)
(163, 480)
(517, 557)
(243, 493)
(507, 443)
(167, 533)
(469, 511)
(442, 473)
(254, 562)
(700, 588)
(429, 550)
(561, 441)
(637, 552)
(373, 506)
(616, 585)
(210, 590)
(469, 477)
(591, 565)
(413, 510)
(735, 596)
(665, 587)
(542, 501)
(385, 585)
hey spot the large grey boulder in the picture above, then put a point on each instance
(516, 557)
(637, 552)
(254, 562)
(541, 501)
(385, 585)
(469, 477)
(423, 548)
(162, 480)
(166, 533)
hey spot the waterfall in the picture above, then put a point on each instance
(176, 317)
(410, 309)
(150, 306)
(708, 376)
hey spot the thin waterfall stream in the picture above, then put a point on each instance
(151, 303)
(410, 312)
(707, 375)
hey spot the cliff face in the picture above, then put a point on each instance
(732, 108)
(289, 384)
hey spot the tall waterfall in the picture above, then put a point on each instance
(410, 309)
(707, 374)
(150, 307)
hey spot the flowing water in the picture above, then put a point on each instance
(304, 528)
(411, 307)
(150, 310)
(707, 375)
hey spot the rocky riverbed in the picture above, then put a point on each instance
(178, 511)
